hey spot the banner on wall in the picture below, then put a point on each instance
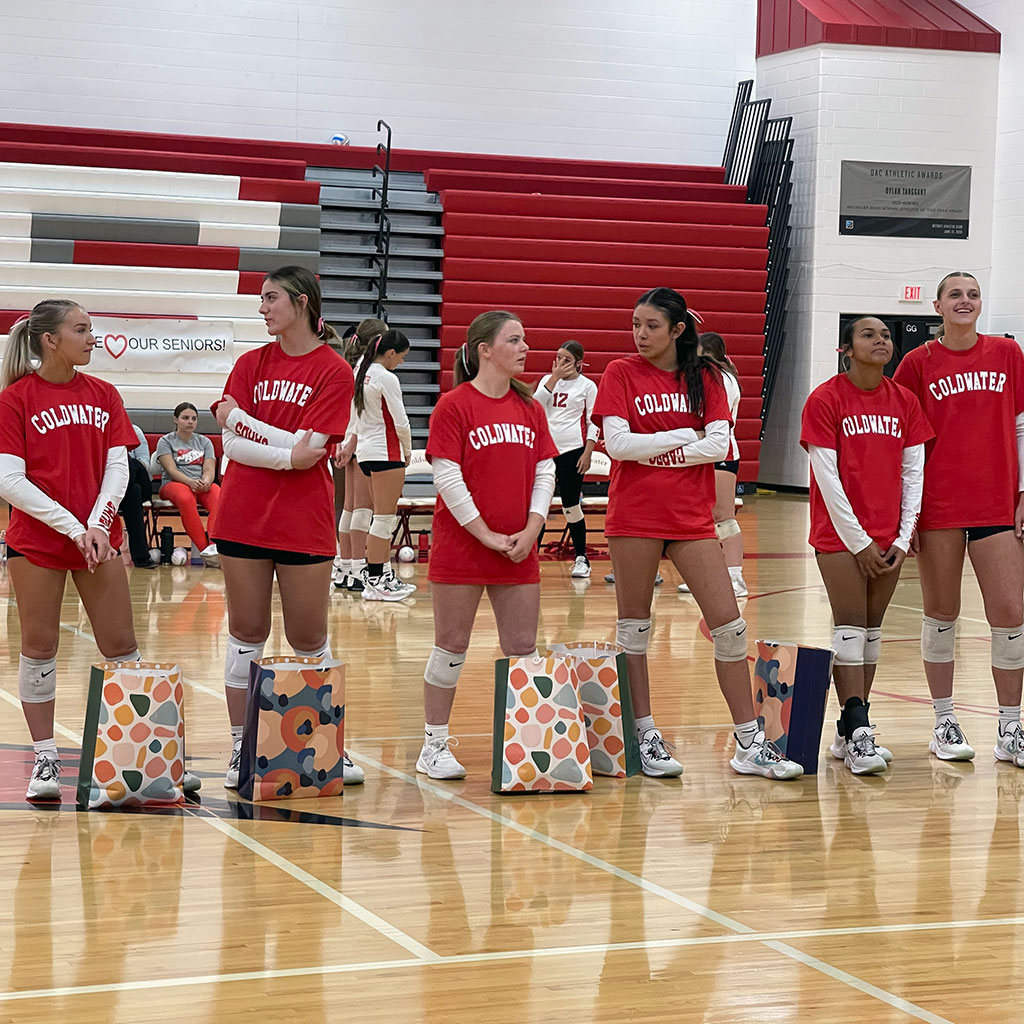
(904, 200)
(162, 346)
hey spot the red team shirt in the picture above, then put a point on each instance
(868, 430)
(497, 442)
(63, 432)
(972, 399)
(667, 500)
(292, 510)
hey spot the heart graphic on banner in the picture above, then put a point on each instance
(115, 344)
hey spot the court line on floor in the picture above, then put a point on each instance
(889, 998)
(541, 953)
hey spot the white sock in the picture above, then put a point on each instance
(745, 733)
(944, 710)
(644, 724)
(358, 565)
(1008, 718)
(236, 734)
(346, 566)
(48, 748)
(736, 572)
(432, 733)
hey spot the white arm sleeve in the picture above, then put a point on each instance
(112, 488)
(825, 467)
(712, 447)
(629, 447)
(391, 394)
(452, 488)
(912, 474)
(248, 428)
(1020, 452)
(542, 394)
(19, 491)
(352, 430)
(252, 453)
(543, 487)
(589, 398)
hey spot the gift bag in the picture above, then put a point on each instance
(134, 736)
(790, 687)
(540, 738)
(603, 686)
(294, 735)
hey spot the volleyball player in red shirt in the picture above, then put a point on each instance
(493, 462)
(665, 420)
(283, 404)
(971, 387)
(865, 436)
(64, 440)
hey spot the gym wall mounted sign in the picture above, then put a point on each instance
(904, 200)
(161, 346)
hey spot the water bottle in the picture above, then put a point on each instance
(166, 545)
(3, 546)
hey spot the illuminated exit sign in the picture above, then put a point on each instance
(910, 293)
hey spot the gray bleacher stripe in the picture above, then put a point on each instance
(271, 259)
(115, 229)
(295, 215)
(300, 238)
(52, 250)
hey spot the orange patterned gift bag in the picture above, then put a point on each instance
(540, 738)
(790, 690)
(603, 684)
(294, 736)
(133, 738)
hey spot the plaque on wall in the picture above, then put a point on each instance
(904, 200)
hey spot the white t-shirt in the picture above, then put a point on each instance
(569, 408)
(383, 429)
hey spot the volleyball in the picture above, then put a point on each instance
(179, 556)
(340, 140)
(406, 554)
(154, 553)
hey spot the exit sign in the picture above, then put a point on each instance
(910, 293)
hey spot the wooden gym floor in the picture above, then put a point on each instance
(711, 898)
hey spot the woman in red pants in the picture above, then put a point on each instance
(188, 462)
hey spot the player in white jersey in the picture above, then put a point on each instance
(383, 447)
(567, 398)
(712, 345)
(354, 522)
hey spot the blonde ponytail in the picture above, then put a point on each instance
(24, 352)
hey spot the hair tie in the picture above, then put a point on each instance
(320, 326)
(696, 316)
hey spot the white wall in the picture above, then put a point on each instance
(867, 103)
(652, 80)
(1004, 300)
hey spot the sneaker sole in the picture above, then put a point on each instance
(934, 748)
(193, 787)
(653, 774)
(742, 769)
(229, 784)
(441, 777)
(355, 780)
(44, 796)
(1002, 755)
(369, 595)
(873, 769)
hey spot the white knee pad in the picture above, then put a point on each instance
(872, 645)
(573, 514)
(633, 635)
(37, 679)
(443, 668)
(938, 640)
(1008, 647)
(726, 528)
(323, 651)
(361, 520)
(345, 522)
(383, 527)
(731, 641)
(848, 642)
(236, 664)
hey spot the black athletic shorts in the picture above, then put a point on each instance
(981, 532)
(11, 553)
(379, 467)
(729, 466)
(235, 550)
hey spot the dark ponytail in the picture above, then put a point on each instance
(690, 366)
(713, 345)
(389, 341)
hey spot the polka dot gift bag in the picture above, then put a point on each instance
(294, 737)
(133, 738)
(540, 737)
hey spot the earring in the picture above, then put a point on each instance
(849, 362)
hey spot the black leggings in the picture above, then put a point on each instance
(139, 490)
(569, 483)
